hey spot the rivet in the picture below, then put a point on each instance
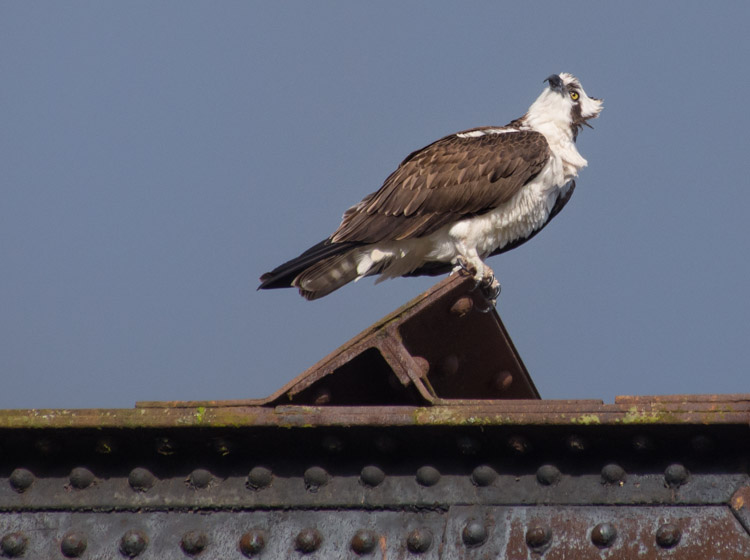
(371, 476)
(419, 540)
(613, 474)
(165, 446)
(194, 542)
(519, 444)
(474, 533)
(449, 365)
(503, 380)
(73, 544)
(223, 446)
(603, 535)
(428, 475)
(702, 444)
(676, 475)
(133, 543)
(141, 479)
(21, 479)
(14, 545)
(468, 445)
(259, 477)
(315, 477)
(252, 542)
(538, 536)
(46, 446)
(199, 478)
(105, 446)
(333, 444)
(364, 541)
(308, 540)
(81, 477)
(548, 475)
(576, 443)
(643, 444)
(668, 535)
(483, 475)
(322, 397)
(386, 444)
(462, 306)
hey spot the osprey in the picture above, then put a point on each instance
(457, 201)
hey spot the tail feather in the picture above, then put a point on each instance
(315, 258)
(327, 275)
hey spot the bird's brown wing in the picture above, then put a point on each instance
(452, 178)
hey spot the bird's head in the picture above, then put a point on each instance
(564, 104)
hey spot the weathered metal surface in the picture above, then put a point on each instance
(718, 409)
(467, 532)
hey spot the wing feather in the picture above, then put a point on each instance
(452, 178)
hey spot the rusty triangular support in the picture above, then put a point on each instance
(440, 348)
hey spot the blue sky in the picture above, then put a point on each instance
(157, 157)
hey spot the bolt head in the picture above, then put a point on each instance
(333, 444)
(643, 443)
(371, 476)
(668, 535)
(133, 543)
(73, 544)
(199, 478)
(449, 365)
(468, 445)
(308, 540)
(194, 542)
(519, 444)
(252, 542)
(81, 477)
(474, 533)
(419, 540)
(603, 535)
(538, 536)
(141, 479)
(462, 306)
(315, 478)
(13, 545)
(676, 475)
(165, 446)
(21, 479)
(503, 380)
(576, 443)
(483, 475)
(259, 477)
(105, 446)
(613, 474)
(364, 541)
(428, 476)
(548, 475)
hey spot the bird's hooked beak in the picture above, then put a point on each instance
(555, 83)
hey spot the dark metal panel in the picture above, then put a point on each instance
(471, 532)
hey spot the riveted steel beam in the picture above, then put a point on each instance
(419, 467)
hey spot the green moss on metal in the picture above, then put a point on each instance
(586, 419)
(432, 416)
(636, 416)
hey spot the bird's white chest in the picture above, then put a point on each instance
(523, 214)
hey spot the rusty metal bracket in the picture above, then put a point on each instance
(442, 347)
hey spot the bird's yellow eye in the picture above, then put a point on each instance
(574, 95)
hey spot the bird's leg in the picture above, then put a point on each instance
(484, 278)
(463, 265)
(490, 288)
